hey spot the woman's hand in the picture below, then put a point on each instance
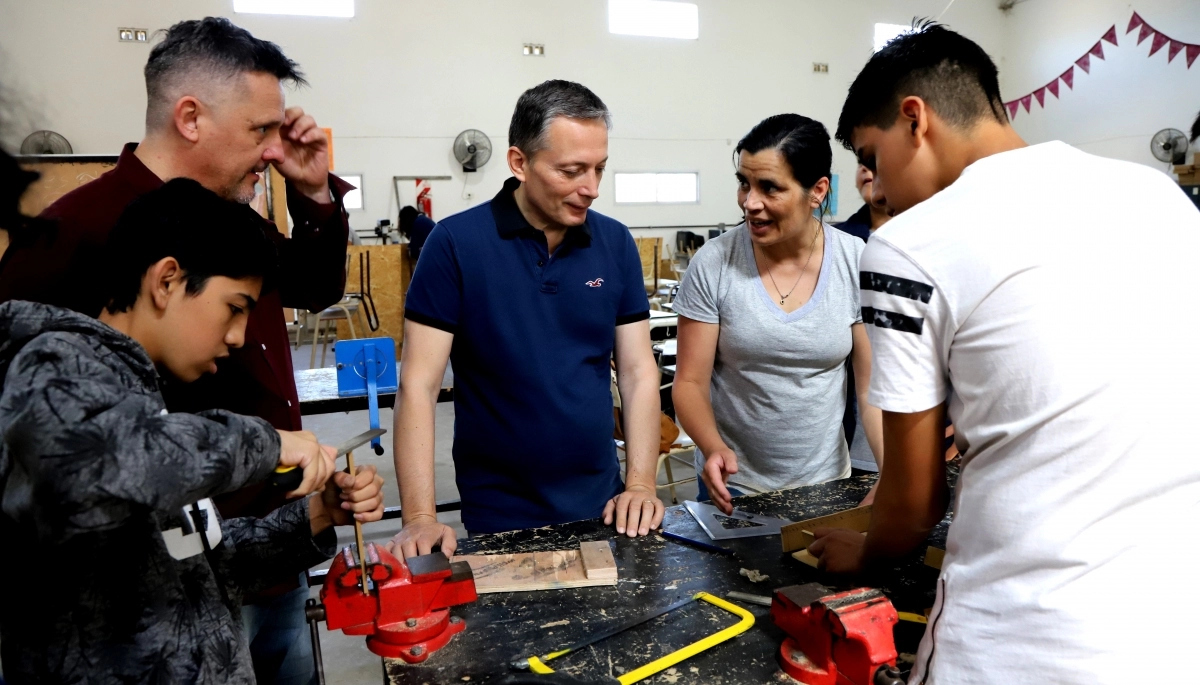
(718, 466)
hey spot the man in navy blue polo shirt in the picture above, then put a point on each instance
(531, 295)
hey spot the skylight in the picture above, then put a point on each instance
(885, 33)
(303, 8)
(656, 18)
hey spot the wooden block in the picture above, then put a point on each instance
(799, 535)
(598, 561)
(534, 571)
(805, 558)
(934, 557)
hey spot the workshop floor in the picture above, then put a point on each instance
(347, 660)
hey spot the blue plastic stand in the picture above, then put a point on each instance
(367, 367)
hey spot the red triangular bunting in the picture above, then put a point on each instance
(1026, 101)
(1134, 22)
(1145, 33)
(1012, 108)
(1040, 94)
(1068, 77)
(1053, 87)
(1097, 50)
(1111, 34)
(1193, 51)
(1175, 49)
(1085, 63)
(1159, 41)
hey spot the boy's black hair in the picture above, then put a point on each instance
(213, 48)
(952, 74)
(209, 237)
(803, 142)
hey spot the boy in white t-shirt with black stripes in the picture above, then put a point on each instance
(1038, 294)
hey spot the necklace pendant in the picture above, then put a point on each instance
(781, 300)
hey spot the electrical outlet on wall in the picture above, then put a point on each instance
(128, 35)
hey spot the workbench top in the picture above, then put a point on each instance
(654, 573)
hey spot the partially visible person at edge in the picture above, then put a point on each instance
(1016, 281)
(93, 467)
(768, 315)
(416, 227)
(215, 113)
(861, 224)
(871, 215)
(530, 296)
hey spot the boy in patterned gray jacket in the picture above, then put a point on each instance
(117, 567)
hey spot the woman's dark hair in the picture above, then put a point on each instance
(1196, 128)
(209, 237)
(408, 217)
(803, 142)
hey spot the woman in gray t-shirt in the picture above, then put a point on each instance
(768, 314)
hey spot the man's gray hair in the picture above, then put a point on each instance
(539, 105)
(214, 49)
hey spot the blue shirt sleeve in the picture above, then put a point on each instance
(634, 306)
(435, 294)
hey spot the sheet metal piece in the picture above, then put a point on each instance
(710, 519)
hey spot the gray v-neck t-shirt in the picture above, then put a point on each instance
(779, 380)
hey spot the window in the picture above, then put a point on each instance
(654, 18)
(661, 189)
(884, 33)
(305, 8)
(354, 198)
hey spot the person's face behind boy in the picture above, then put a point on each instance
(187, 333)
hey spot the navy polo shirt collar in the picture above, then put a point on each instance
(510, 222)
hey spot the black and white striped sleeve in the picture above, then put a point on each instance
(907, 318)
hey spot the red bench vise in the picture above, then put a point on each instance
(840, 638)
(405, 609)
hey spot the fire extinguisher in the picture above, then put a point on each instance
(425, 198)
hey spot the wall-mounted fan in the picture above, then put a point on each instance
(472, 149)
(45, 143)
(1169, 145)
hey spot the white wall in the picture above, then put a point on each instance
(1127, 97)
(401, 79)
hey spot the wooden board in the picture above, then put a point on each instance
(805, 558)
(543, 570)
(598, 561)
(390, 275)
(934, 556)
(59, 177)
(799, 535)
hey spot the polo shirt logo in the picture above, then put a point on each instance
(596, 283)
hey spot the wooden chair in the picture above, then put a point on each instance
(650, 251)
(347, 308)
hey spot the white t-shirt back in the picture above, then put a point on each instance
(1044, 294)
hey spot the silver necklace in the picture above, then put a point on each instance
(766, 263)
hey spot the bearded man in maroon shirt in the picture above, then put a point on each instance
(215, 113)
